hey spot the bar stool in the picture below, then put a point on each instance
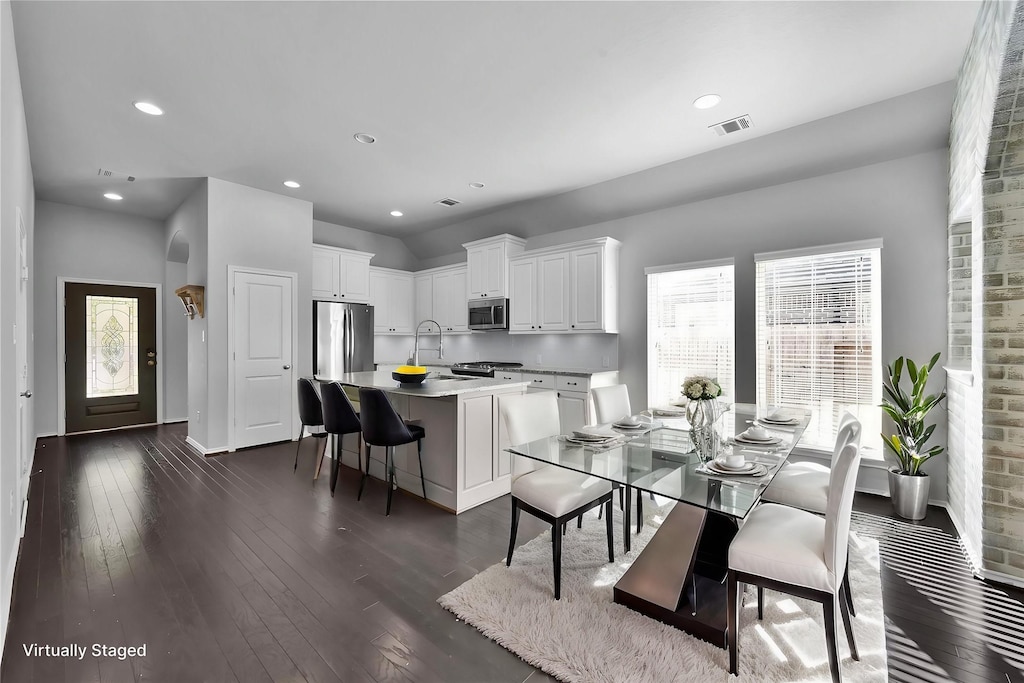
(383, 426)
(310, 415)
(340, 418)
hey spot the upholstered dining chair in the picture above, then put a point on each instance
(797, 552)
(340, 418)
(310, 415)
(805, 485)
(548, 492)
(611, 404)
(383, 426)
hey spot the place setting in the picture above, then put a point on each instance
(732, 463)
(777, 420)
(757, 435)
(594, 437)
(635, 424)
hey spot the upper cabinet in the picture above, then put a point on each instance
(440, 295)
(568, 288)
(391, 295)
(488, 264)
(341, 274)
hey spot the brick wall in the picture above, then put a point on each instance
(983, 105)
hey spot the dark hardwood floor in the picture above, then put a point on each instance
(234, 569)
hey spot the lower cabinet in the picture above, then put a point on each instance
(572, 410)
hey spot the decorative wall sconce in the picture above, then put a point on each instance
(192, 299)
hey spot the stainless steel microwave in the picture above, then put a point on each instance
(488, 314)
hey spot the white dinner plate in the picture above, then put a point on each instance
(770, 441)
(722, 465)
(638, 425)
(779, 420)
(752, 468)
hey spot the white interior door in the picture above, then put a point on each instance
(23, 430)
(263, 322)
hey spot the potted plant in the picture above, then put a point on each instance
(908, 485)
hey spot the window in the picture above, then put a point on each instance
(819, 336)
(690, 322)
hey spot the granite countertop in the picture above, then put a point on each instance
(432, 387)
(535, 369)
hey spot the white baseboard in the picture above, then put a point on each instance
(7, 588)
(201, 449)
(173, 420)
(46, 435)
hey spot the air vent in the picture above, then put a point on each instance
(114, 175)
(732, 125)
(447, 201)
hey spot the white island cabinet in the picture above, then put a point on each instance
(464, 458)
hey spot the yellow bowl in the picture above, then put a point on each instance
(411, 370)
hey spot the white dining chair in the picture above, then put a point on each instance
(797, 552)
(611, 404)
(548, 492)
(805, 485)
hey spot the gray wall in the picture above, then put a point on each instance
(389, 252)
(73, 242)
(16, 192)
(174, 357)
(258, 229)
(190, 219)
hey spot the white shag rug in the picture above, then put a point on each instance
(587, 637)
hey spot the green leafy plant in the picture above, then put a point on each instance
(908, 411)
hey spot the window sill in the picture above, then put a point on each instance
(962, 375)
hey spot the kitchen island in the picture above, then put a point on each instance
(464, 458)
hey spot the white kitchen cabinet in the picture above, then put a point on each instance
(569, 288)
(487, 261)
(391, 295)
(540, 293)
(440, 295)
(340, 274)
(575, 407)
(326, 273)
(572, 410)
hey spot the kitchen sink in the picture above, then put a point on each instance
(458, 377)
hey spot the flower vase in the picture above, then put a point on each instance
(702, 415)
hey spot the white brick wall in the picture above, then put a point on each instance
(980, 108)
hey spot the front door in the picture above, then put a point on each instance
(262, 327)
(111, 364)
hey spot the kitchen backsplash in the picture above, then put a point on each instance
(592, 351)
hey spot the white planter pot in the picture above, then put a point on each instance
(909, 494)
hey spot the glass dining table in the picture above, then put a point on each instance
(678, 578)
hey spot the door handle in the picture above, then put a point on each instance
(26, 394)
(151, 363)
(287, 367)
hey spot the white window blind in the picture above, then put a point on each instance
(819, 337)
(690, 328)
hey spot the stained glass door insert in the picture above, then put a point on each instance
(112, 341)
(111, 361)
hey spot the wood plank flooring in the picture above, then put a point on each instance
(235, 569)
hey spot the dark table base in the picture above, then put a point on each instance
(679, 577)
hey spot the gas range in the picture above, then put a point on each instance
(483, 368)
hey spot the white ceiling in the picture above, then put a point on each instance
(531, 98)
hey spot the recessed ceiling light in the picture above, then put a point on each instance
(148, 108)
(365, 138)
(476, 186)
(707, 101)
(113, 196)
(292, 184)
(396, 213)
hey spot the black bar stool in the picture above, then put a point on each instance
(340, 418)
(383, 426)
(310, 415)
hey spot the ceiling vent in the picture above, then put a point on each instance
(114, 175)
(448, 201)
(733, 125)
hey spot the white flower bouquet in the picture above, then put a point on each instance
(698, 388)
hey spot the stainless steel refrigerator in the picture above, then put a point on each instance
(342, 338)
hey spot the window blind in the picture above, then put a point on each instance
(819, 338)
(690, 329)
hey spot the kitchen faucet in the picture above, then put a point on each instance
(415, 360)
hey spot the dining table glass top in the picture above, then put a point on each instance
(661, 459)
